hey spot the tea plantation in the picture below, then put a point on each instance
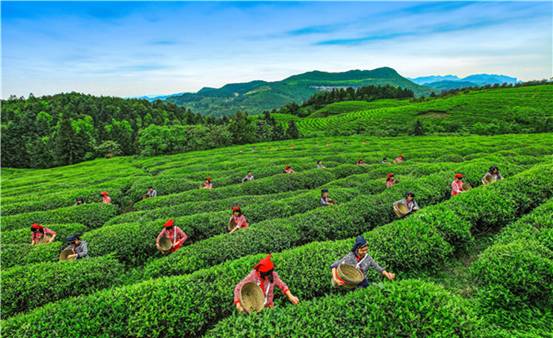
(483, 112)
(475, 265)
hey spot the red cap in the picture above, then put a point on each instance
(265, 265)
(37, 226)
(390, 175)
(459, 175)
(236, 208)
(169, 223)
(208, 179)
(104, 193)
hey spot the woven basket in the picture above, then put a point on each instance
(44, 239)
(165, 244)
(65, 253)
(466, 186)
(251, 298)
(488, 179)
(401, 210)
(350, 275)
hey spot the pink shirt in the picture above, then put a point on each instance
(106, 199)
(241, 221)
(288, 171)
(390, 183)
(267, 287)
(208, 185)
(37, 236)
(456, 188)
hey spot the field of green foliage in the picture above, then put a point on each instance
(484, 112)
(476, 265)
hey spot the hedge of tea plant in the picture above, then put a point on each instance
(92, 215)
(27, 287)
(515, 277)
(399, 309)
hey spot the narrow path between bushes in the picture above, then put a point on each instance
(455, 275)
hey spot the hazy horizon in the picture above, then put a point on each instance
(144, 48)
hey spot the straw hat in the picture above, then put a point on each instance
(251, 298)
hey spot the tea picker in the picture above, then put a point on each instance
(151, 192)
(399, 159)
(288, 170)
(491, 176)
(360, 162)
(325, 199)
(248, 177)
(390, 180)
(171, 238)
(458, 186)
(105, 197)
(406, 205)
(256, 290)
(208, 184)
(351, 270)
(76, 249)
(41, 234)
(237, 221)
(320, 165)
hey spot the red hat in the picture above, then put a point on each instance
(208, 179)
(104, 193)
(236, 208)
(459, 175)
(265, 265)
(390, 175)
(169, 223)
(37, 226)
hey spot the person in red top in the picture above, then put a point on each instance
(174, 233)
(41, 234)
(457, 185)
(263, 274)
(237, 221)
(360, 162)
(288, 170)
(105, 197)
(208, 184)
(390, 180)
(399, 159)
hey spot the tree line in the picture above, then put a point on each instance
(47, 131)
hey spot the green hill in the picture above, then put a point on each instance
(257, 96)
(480, 262)
(492, 111)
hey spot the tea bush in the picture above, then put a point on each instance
(27, 287)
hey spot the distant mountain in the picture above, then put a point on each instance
(485, 79)
(423, 80)
(257, 96)
(446, 82)
(448, 85)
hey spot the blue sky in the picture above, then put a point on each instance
(140, 48)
